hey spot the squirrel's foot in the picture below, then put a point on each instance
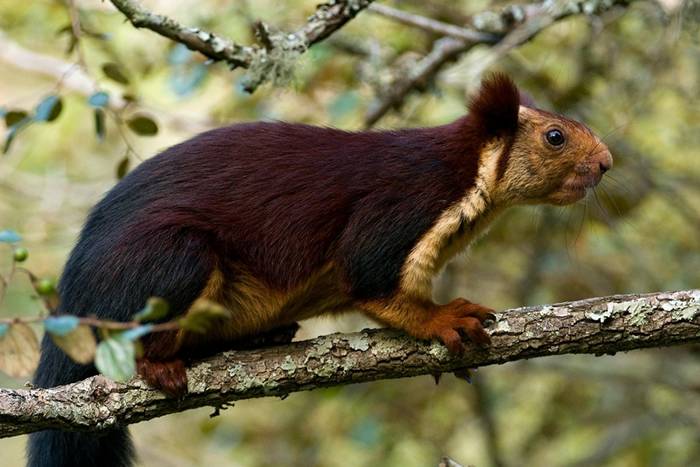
(169, 375)
(460, 315)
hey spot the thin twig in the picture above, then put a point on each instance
(77, 33)
(73, 78)
(443, 51)
(432, 25)
(102, 324)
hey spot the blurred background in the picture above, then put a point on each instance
(632, 74)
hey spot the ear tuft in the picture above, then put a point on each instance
(495, 107)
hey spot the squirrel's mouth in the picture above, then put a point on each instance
(575, 188)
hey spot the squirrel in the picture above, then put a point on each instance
(280, 222)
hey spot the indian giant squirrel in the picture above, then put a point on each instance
(279, 222)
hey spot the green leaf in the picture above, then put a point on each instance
(343, 104)
(9, 236)
(184, 80)
(99, 99)
(13, 117)
(11, 133)
(61, 325)
(79, 344)
(137, 332)
(155, 309)
(114, 72)
(142, 125)
(67, 28)
(48, 109)
(19, 351)
(123, 167)
(72, 42)
(15, 120)
(100, 129)
(202, 315)
(179, 55)
(116, 358)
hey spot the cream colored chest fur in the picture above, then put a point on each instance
(453, 231)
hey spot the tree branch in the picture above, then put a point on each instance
(432, 25)
(328, 18)
(594, 326)
(514, 25)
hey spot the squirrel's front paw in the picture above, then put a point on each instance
(461, 315)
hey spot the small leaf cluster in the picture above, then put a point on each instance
(50, 108)
(113, 347)
(16, 120)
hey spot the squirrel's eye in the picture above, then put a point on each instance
(555, 137)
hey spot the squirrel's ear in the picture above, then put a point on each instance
(495, 107)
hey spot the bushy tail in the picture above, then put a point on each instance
(54, 448)
(123, 257)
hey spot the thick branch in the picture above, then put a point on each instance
(594, 326)
(328, 18)
(515, 25)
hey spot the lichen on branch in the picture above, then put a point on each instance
(269, 61)
(603, 325)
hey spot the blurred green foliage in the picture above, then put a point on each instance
(632, 75)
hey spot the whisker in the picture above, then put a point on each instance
(603, 138)
(611, 200)
(616, 185)
(603, 211)
(596, 153)
(592, 151)
(611, 178)
(570, 242)
(609, 133)
(583, 220)
(537, 219)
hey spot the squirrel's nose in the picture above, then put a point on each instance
(604, 160)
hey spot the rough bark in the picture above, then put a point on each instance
(597, 326)
(328, 18)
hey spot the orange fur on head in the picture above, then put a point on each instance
(540, 172)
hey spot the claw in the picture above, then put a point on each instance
(465, 374)
(460, 315)
(452, 340)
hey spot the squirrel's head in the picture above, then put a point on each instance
(535, 156)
